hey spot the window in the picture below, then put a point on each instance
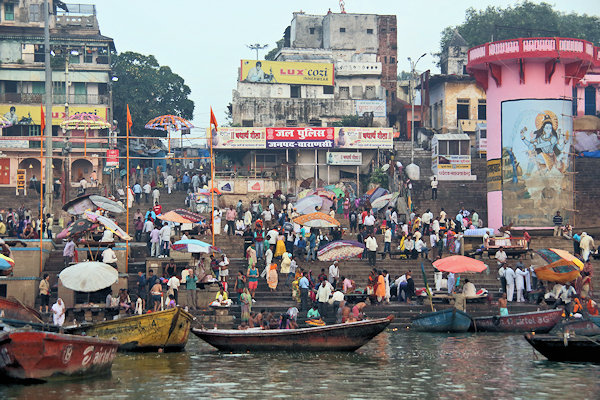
(88, 55)
(462, 109)
(80, 93)
(35, 14)
(342, 30)
(590, 100)
(291, 122)
(38, 53)
(382, 30)
(483, 133)
(9, 12)
(295, 91)
(315, 122)
(370, 92)
(73, 59)
(464, 147)
(311, 31)
(393, 29)
(344, 92)
(357, 92)
(247, 122)
(369, 31)
(574, 101)
(453, 148)
(481, 110)
(328, 89)
(392, 60)
(385, 59)
(38, 87)
(10, 87)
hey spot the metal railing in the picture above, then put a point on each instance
(35, 98)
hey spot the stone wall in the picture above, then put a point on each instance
(587, 192)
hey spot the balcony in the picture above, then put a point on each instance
(34, 98)
(78, 144)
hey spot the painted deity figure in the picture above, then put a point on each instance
(547, 143)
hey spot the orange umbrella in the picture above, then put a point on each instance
(568, 257)
(459, 265)
(172, 216)
(317, 220)
(562, 266)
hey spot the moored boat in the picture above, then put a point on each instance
(33, 355)
(14, 309)
(448, 320)
(566, 347)
(167, 330)
(536, 321)
(339, 337)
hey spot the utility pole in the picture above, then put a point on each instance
(412, 105)
(48, 178)
(257, 47)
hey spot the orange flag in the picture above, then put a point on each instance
(43, 119)
(213, 119)
(129, 121)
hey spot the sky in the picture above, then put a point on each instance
(203, 40)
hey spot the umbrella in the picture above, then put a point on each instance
(303, 194)
(168, 123)
(328, 194)
(4, 122)
(562, 267)
(459, 264)
(6, 263)
(76, 228)
(192, 216)
(88, 276)
(85, 122)
(377, 193)
(382, 201)
(107, 204)
(194, 246)
(317, 220)
(307, 204)
(80, 204)
(108, 224)
(172, 216)
(340, 250)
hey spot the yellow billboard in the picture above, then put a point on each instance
(23, 113)
(299, 73)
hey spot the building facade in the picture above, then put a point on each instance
(81, 83)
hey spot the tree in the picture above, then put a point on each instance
(379, 177)
(150, 90)
(270, 56)
(525, 19)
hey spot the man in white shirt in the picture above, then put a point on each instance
(369, 223)
(371, 244)
(165, 236)
(422, 249)
(336, 298)
(323, 294)
(443, 217)
(426, 220)
(520, 283)
(409, 248)
(401, 284)
(510, 276)
(155, 196)
(173, 284)
(147, 189)
(109, 257)
(334, 274)
(502, 278)
(434, 186)
(500, 256)
(272, 235)
(387, 242)
(469, 290)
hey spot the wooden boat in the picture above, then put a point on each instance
(14, 309)
(536, 321)
(168, 330)
(448, 320)
(34, 355)
(566, 348)
(587, 326)
(339, 337)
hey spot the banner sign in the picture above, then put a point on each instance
(112, 158)
(20, 179)
(344, 158)
(364, 138)
(30, 115)
(306, 138)
(225, 186)
(227, 137)
(256, 185)
(299, 73)
(454, 162)
(377, 107)
(494, 175)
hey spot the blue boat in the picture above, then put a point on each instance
(449, 320)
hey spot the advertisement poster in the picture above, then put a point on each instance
(364, 138)
(307, 138)
(227, 137)
(21, 114)
(377, 107)
(298, 73)
(225, 186)
(537, 135)
(256, 185)
(112, 158)
(494, 175)
(344, 158)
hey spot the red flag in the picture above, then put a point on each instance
(213, 119)
(129, 121)
(43, 119)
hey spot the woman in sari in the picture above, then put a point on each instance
(280, 246)
(58, 312)
(346, 208)
(272, 277)
(246, 305)
(450, 242)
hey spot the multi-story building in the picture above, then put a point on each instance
(363, 51)
(81, 83)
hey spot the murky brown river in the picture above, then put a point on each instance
(395, 365)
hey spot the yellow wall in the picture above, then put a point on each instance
(460, 90)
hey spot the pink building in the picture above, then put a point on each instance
(529, 84)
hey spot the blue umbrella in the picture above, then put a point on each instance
(4, 264)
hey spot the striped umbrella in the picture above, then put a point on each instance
(340, 250)
(317, 220)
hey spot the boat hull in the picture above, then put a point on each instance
(168, 330)
(33, 355)
(12, 309)
(449, 320)
(537, 321)
(576, 349)
(338, 337)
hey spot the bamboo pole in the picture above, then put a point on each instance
(42, 199)
(212, 192)
(127, 202)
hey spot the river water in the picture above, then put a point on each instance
(396, 364)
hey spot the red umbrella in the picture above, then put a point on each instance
(459, 264)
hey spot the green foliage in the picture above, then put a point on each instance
(380, 178)
(270, 56)
(150, 90)
(525, 19)
(348, 120)
(404, 75)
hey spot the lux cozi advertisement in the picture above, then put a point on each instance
(536, 142)
(298, 73)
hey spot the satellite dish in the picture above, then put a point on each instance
(385, 167)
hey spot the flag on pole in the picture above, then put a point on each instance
(129, 121)
(43, 119)
(213, 119)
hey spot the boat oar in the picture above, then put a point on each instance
(427, 286)
(27, 308)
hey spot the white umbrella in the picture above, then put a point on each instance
(88, 276)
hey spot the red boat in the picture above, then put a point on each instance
(536, 321)
(38, 356)
(339, 337)
(14, 309)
